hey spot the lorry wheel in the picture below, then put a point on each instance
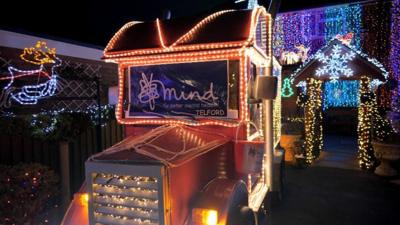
(244, 216)
(230, 198)
(249, 217)
(239, 212)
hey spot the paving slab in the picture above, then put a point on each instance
(334, 191)
(336, 196)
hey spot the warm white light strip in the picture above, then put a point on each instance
(160, 35)
(186, 37)
(115, 38)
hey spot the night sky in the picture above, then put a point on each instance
(93, 22)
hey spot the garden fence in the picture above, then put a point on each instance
(25, 149)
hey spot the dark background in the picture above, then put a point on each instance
(93, 22)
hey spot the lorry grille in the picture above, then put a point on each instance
(125, 199)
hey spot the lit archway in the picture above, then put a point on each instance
(332, 63)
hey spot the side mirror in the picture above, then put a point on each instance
(265, 87)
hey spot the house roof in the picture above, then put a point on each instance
(230, 27)
(169, 145)
(358, 64)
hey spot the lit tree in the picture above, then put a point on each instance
(287, 90)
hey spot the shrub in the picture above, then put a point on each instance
(14, 126)
(24, 191)
(382, 130)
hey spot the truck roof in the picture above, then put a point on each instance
(223, 29)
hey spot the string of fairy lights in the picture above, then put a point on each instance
(365, 110)
(376, 24)
(278, 36)
(342, 20)
(317, 27)
(287, 90)
(394, 56)
(313, 120)
(376, 32)
(369, 119)
(376, 39)
(126, 199)
(48, 127)
(277, 106)
(341, 93)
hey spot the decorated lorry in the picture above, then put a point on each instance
(202, 117)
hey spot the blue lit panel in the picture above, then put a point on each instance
(341, 93)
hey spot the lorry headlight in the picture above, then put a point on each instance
(83, 198)
(205, 216)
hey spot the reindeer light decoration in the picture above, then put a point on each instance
(302, 52)
(345, 39)
(37, 83)
(289, 57)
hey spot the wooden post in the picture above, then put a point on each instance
(65, 173)
(99, 121)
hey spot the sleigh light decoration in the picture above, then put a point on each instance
(27, 87)
(187, 92)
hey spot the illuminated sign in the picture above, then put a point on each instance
(179, 90)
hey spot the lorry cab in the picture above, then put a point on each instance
(194, 147)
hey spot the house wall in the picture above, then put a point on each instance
(372, 23)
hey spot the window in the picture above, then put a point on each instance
(233, 85)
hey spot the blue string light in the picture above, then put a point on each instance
(315, 27)
(341, 93)
(251, 4)
(30, 94)
(342, 20)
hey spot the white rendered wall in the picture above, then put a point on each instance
(21, 41)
